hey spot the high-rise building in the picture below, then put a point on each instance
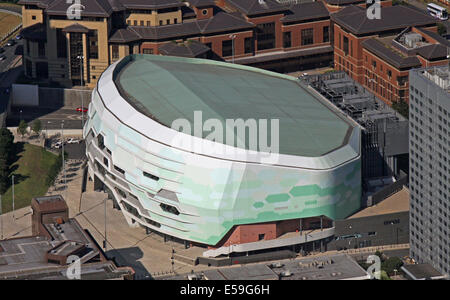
(430, 166)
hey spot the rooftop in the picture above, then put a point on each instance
(421, 272)
(333, 267)
(398, 202)
(355, 19)
(169, 88)
(440, 76)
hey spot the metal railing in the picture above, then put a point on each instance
(10, 33)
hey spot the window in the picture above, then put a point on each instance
(101, 141)
(142, 23)
(42, 70)
(170, 209)
(115, 51)
(346, 45)
(33, 17)
(287, 40)
(61, 44)
(160, 22)
(119, 170)
(93, 44)
(105, 161)
(147, 51)
(372, 233)
(149, 23)
(121, 193)
(151, 176)
(307, 36)
(261, 236)
(248, 44)
(265, 36)
(227, 48)
(41, 49)
(135, 23)
(326, 34)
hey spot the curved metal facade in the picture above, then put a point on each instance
(199, 198)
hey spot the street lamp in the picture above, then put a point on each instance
(81, 58)
(106, 240)
(63, 160)
(232, 37)
(13, 197)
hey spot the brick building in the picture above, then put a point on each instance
(266, 34)
(372, 51)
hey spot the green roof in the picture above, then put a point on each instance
(169, 88)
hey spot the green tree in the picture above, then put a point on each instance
(401, 107)
(442, 30)
(37, 127)
(391, 264)
(23, 128)
(6, 145)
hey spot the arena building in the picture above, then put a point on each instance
(219, 198)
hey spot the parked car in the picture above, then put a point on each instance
(58, 145)
(19, 37)
(2, 50)
(82, 109)
(73, 141)
(2, 57)
(11, 43)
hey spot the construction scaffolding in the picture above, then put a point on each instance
(385, 132)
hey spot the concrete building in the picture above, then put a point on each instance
(49, 252)
(271, 35)
(331, 267)
(379, 53)
(219, 198)
(386, 223)
(429, 138)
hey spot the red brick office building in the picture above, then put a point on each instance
(370, 51)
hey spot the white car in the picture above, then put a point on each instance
(58, 145)
(73, 141)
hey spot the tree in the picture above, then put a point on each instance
(401, 107)
(442, 30)
(6, 145)
(37, 127)
(23, 128)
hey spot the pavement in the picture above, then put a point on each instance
(51, 119)
(419, 5)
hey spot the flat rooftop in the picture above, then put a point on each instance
(169, 88)
(333, 267)
(398, 202)
(25, 258)
(422, 272)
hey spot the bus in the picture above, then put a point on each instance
(437, 11)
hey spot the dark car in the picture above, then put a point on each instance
(2, 50)
(11, 43)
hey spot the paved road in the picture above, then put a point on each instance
(50, 118)
(423, 8)
(11, 54)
